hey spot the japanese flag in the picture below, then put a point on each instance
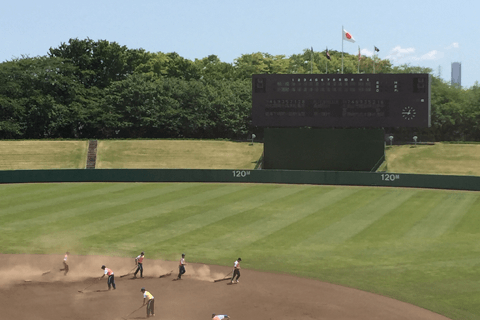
(347, 36)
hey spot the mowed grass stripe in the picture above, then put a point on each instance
(240, 223)
(48, 206)
(329, 211)
(91, 231)
(10, 193)
(470, 223)
(61, 194)
(33, 194)
(397, 222)
(46, 236)
(252, 227)
(174, 225)
(148, 226)
(359, 219)
(171, 237)
(443, 217)
(438, 242)
(68, 215)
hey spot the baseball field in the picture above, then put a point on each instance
(308, 252)
(413, 245)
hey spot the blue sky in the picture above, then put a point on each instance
(419, 32)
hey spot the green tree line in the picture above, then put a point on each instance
(100, 89)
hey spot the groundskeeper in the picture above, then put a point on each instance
(181, 267)
(236, 270)
(65, 265)
(148, 300)
(111, 277)
(219, 316)
(139, 263)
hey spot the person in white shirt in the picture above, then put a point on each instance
(236, 270)
(139, 262)
(65, 265)
(181, 267)
(219, 316)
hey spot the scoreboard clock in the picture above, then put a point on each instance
(341, 100)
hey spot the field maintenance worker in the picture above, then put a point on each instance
(139, 262)
(65, 265)
(219, 316)
(150, 302)
(111, 277)
(236, 270)
(181, 267)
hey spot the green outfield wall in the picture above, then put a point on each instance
(248, 176)
(323, 149)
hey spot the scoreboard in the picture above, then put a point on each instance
(341, 100)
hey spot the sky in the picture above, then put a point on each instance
(422, 33)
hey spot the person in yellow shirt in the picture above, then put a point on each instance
(150, 302)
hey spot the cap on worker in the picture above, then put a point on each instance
(239, 259)
(143, 289)
(103, 267)
(183, 254)
(213, 315)
(143, 252)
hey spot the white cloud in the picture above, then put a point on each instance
(453, 45)
(432, 55)
(398, 53)
(366, 52)
(408, 55)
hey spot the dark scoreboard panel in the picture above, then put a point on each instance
(341, 101)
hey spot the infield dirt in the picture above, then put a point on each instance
(27, 294)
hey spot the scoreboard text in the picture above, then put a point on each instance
(341, 101)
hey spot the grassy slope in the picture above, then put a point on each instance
(456, 159)
(419, 246)
(190, 154)
(34, 154)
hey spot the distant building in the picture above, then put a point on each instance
(456, 74)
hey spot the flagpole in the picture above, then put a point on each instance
(326, 62)
(311, 61)
(373, 59)
(342, 49)
(358, 69)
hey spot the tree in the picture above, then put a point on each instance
(99, 62)
(212, 69)
(248, 64)
(37, 97)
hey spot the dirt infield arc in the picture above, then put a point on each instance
(27, 294)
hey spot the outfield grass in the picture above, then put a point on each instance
(441, 158)
(34, 154)
(419, 246)
(182, 154)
